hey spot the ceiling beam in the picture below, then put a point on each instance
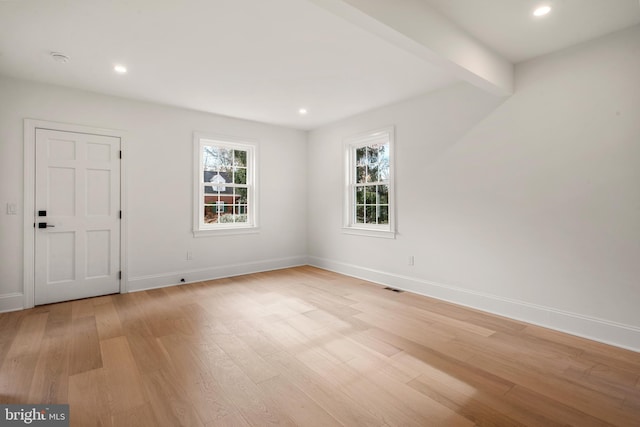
(418, 28)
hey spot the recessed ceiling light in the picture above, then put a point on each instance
(120, 69)
(302, 111)
(59, 57)
(542, 10)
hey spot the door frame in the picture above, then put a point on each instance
(30, 126)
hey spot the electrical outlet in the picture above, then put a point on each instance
(411, 260)
(189, 256)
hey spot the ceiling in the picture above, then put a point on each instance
(509, 28)
(264, 60)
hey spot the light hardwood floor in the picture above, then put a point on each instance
(306, 347)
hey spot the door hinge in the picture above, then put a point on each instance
(120, 154)
(120, 214)
(120, 275)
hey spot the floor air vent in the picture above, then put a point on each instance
(392, 289)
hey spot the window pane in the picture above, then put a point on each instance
(372, 154)
(210, 215)
(239, 158)
(383, 194)
(360, 195)
(383, 218)
(240, 212)
(383, 163)
(241, 195)
(361, 156)
(226, 218)
(360, 214)
(361, 174)
(240, 175)
(226, 159)
(373, 175)
(216, 158)
(209, 156)
(370, 195)
(383, 152)
(370, 214)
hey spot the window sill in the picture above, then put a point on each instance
(226, 231)
(368, 232)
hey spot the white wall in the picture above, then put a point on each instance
(159, 147)
(528, 207)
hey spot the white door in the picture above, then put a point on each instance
(77, 216)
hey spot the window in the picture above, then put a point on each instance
(225, 190)
(369, 184)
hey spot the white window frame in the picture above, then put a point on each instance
(200, 229)
(377, 136)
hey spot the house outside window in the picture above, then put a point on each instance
(369, 188)
(225, 187)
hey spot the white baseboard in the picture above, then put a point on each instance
(605, 331)
(11, 302)
(154, 281)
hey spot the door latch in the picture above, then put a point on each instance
(44, 225)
